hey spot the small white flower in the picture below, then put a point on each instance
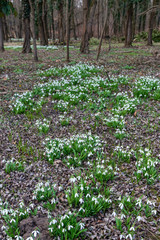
(114, 214)
(35, 233)
(76, 195)
(12, 220)
(69, 227)
(81, 200)
(81, 226)
(123, 216)
(121, 206)
(139, 218)
(154, 212)
(129, 236)
(132, 229)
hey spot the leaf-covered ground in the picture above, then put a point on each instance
(80, 144)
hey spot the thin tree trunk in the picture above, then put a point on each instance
(1, 36)
(90, 25)
(33, 30)
(150, 26)
(53, 29)
(67, 29)
(100, 43)
(44, 18)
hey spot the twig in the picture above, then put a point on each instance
(153, 235)
(149, 10)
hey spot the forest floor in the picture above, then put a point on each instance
(80, 144)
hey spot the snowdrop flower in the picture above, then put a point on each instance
(81, 226)
(12, 220)
(121, 206)
(30, 238)
(69, 227)
(18, 237)
(132, 229)
(154, 212)
(129, 236)
(121, 236)
(81, 200)
(53, 221)
(76, 195)
(139, 218)
(73, 180)
(35, 233)
(123, 216)
(88, 195)
(114, 214)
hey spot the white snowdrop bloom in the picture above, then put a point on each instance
(70, 227)
(76, 195)
(121, 237)
(88, 195)
(114, 214)
(35, 233)
(123, 216)
(64, 230)
(18, 237)
(12, 220)
(73, 180)
(81, 200)
(53, 201)
(121, 206)
(139, 218)
(30, 238)
(154, 212)
(81, 226)
(129, 236)
(132, 229)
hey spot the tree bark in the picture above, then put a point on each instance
(1, 36)
(41, 24)
(67, 29)
(90, 25)
(150, 26)
(60, 23)
(129, 30)
(85, 37)
(33, 30)
(26, 23)
(103, 30)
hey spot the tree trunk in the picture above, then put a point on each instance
(72, 19)
(85, 37)
(5, 29)
(1, 36)
(150, 25)
(128, 30)
(53, 29)
(42, 31)
(27, 36)
(103, 30)
(67, 29)
(60, 23)
(33, 29)
(90, 24)
(44, 17)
